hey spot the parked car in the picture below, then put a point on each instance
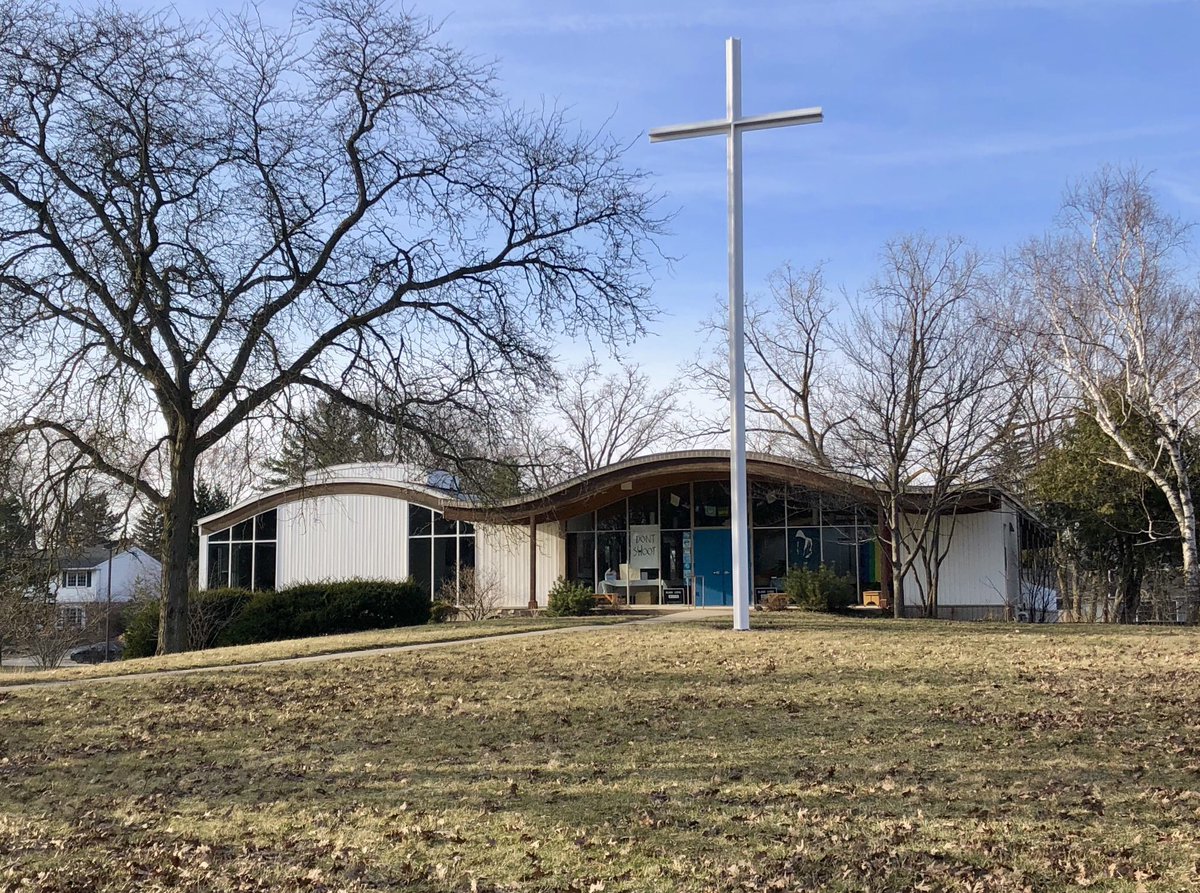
(94, 654)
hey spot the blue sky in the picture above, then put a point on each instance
(964, 117)
(945, 116)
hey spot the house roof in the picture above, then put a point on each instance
(90, 557)
(379, 480)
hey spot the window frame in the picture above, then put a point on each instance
(73, 573)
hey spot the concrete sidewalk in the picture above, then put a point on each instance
(687, 614)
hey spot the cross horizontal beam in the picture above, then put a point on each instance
(721, 125)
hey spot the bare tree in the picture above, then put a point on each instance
(474, 593)
(41, 510)
(200, 221)
(792, 372)
(911, 397)
(596, 419)
(931, 394)
(1125, 329)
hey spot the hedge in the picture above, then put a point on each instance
(240, 617)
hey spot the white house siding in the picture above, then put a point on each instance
(502, 553)
(339, 537)
(134, 573)
(980, 574)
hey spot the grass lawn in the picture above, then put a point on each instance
(809, 754)
(240, 654)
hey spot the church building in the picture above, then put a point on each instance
(654, 530)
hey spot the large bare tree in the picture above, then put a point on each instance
(930, 392)
(199, 219)
(912, 391)
(1124, 327)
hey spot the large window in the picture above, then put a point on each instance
(243, 556)
(712, 504)
(676, 504)
(437, 548)
(791, 527)
(581, 558)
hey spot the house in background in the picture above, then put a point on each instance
(80, 586)
(651, 530)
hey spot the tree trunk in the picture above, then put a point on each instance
(1191, 577)
(178, 519)
(895, 561)
(1191, 562)
(1131, 584)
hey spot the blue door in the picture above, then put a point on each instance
(714, 567)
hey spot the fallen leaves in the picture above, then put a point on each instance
(821, 754)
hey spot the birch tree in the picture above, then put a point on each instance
(1124, 327)
(199, 221)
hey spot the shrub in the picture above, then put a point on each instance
(219, 617)
(210, 611)
(473, 594)
(819, 590)
(442, 611)
(569, 599)
(315, 609)
(141, 628)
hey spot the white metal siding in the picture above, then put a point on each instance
(502, 553)
(977, 570)
(339, 537)
(374, 471)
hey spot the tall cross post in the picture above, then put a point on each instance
(732, 126)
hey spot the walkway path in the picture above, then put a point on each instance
(681, 616)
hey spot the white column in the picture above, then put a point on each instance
(737, 360)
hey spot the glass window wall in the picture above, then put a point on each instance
(243, 556)
(790, 528)
(437, 548)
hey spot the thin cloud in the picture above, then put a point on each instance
(831, 13)
(1004, 145)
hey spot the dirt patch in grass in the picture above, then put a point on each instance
(809, 754)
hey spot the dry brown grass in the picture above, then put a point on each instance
(241, 654)
(809, 754)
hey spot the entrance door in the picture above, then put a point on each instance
(714, 567)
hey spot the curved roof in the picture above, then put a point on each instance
(335, 485)
(580, 494)
(590, 491)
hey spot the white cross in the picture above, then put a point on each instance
(732, 126)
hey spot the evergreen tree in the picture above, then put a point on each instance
(330, 434)
(1106, 515)
(89, 520)
(17, 531)
(148, 532)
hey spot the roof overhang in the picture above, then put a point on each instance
(262, 502)
(596, 489)
(593, 490)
